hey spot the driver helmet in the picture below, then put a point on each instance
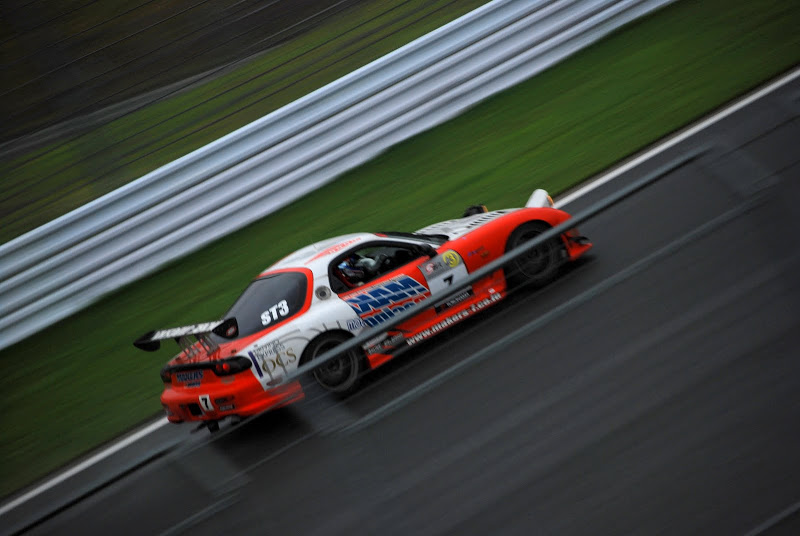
(352, 273)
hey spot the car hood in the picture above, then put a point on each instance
(458, 228)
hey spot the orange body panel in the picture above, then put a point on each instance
(478, 248)
(239, 394)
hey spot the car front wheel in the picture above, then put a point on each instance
(538, 266)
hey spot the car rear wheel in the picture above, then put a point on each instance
(341, 374)
(538, 266)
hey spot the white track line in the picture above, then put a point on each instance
(72, 471)
(580, 192)
(679, 137)
(774, 520)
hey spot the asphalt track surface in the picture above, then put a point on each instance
(663, 398)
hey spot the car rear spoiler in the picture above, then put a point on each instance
(150, 341)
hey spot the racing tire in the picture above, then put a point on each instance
(340, 375)
(537, 267)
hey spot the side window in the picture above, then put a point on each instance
(269, 300)
(362, 265)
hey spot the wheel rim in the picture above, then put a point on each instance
(537, 260)
(337, 374)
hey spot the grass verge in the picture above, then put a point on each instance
(81, 382)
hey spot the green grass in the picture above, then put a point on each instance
(112, 50)
(44, 183)
(81, 382)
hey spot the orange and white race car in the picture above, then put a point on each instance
(325, 293)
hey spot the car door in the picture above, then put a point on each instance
(396, 276)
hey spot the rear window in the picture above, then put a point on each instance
(268, 301)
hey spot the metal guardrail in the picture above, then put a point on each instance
(68, 263)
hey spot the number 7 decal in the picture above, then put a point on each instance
(443, 272)
(205, 403)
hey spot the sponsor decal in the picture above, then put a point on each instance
(354, 324)
(268, 349)
(439, 265)
(375, 340)
(372, 346)
(275, 312)
(270, 365)
(227, 407)
(205, 403)
(174, 333)
(481, 251)
(452, 320)
(477, 306)
(392, 341)
(334, 249)
(380, 303)
(189, 376)
(254, 359)
(451, 258)
(271, 356)
(384, 345)
(458, 298)
(441, 272)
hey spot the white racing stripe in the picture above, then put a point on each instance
(72, 471)
(580, 192)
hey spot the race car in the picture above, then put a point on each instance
(325, 293)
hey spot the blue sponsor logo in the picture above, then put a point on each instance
(355, 324)
(380, 303)
(255, 363)
(189, 376)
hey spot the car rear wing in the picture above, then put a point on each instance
(188, 336)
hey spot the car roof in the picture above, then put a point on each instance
(316, 257)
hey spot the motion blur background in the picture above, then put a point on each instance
(96, 93)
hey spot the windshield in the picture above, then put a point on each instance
(268, 301)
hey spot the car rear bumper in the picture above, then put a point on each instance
(219, 400)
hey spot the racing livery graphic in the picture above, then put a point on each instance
(381, 302)
(325, 293)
